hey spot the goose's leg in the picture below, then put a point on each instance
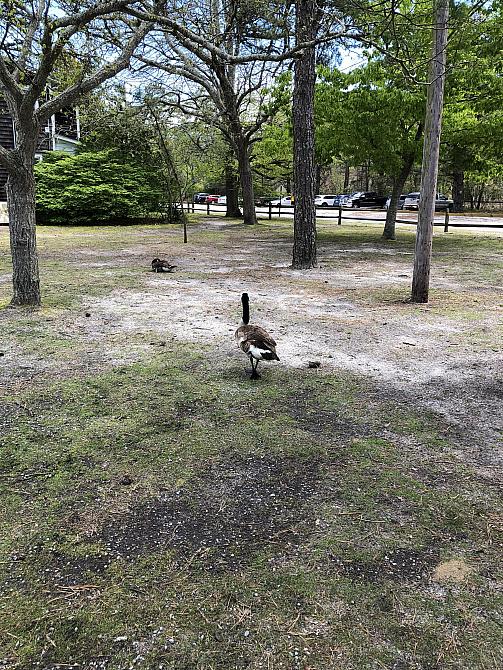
(255, 374)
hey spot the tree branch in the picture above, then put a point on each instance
(7, 160)
(84, 86)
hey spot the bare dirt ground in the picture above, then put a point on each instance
(419, 353)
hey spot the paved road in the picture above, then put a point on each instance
(479, 222)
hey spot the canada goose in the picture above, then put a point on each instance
(254, 340)
(158, 265)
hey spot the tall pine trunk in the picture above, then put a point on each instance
(304, 168)
(431, 151)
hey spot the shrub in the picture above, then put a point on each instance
(96, 187)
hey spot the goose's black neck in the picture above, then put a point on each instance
(246, 308)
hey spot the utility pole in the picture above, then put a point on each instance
(431, 150)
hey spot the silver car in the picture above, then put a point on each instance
(441, 203)
(400, 203)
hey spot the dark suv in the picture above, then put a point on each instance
(366, 199)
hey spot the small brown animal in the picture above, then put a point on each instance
(158, 265)
(254, 340)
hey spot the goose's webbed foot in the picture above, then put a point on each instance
(254, 364)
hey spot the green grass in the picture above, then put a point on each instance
(322, 595)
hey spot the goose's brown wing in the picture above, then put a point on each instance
(254, 336)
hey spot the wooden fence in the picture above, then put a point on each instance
(275, 211)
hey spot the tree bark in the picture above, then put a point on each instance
(398, 184)
(458, 190)
(304, 168)
(431, 150)
(366, 177)
(23, 241)
(245, 174)
(317, 186)
(346, 178)
(480, 196)
(390, 225)
(231, 191)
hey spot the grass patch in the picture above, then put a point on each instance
(160, 511)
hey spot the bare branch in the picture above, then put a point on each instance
(85, 85)
(28, 40)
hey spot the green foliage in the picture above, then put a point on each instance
(273, 154)
(473, 120)
(272, 158)
(199, 153)
(95, 188)
(366, 116)
(110, 124)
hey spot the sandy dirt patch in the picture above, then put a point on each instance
(455, 570)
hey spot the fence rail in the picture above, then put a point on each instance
(276, 211)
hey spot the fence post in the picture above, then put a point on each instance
(339, 222)
(279, 209)
(270, 210)
(446, 221)
(207, 208)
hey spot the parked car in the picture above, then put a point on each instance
(366, 199)
(401, 200)
(441, 203)
(328, 200)
(286, 201)
(212, 198)
(200, 197)
(263, 202)
(222, 200)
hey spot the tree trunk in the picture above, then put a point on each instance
(346, 178)
(304, 169)
(458, 190)
(367, 178)
(317, 185)
(231, 191)
(407, 164)
(389, 226)
(431, 150)
(480, 196)
(23, 241)
(245, 174)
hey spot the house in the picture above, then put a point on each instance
(62, 133)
